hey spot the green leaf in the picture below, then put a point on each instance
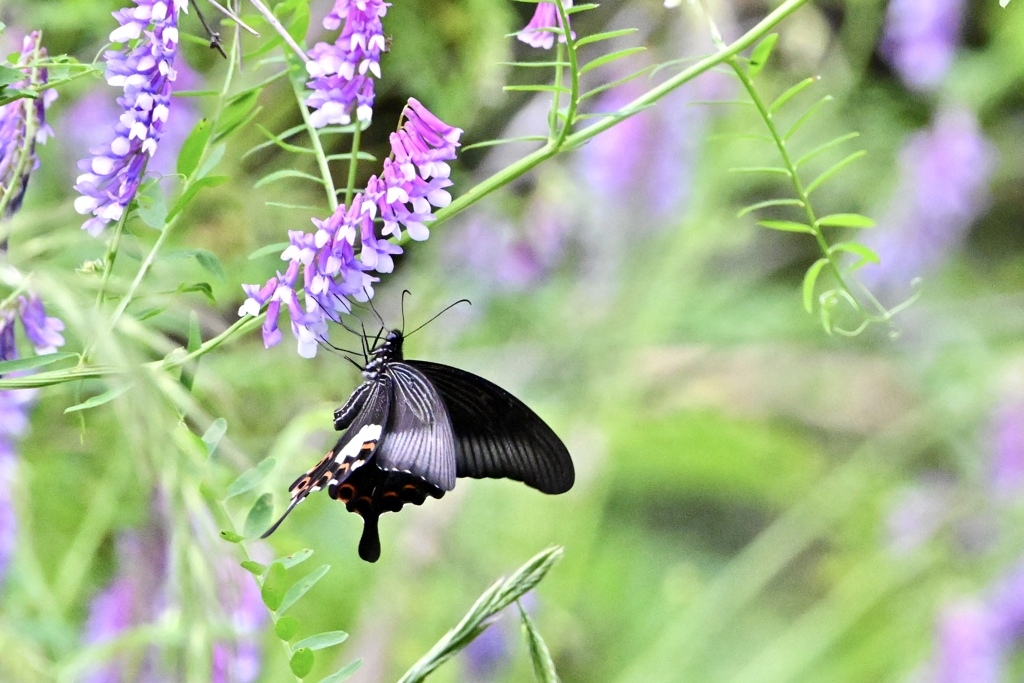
(296, 558)
(805, 117)
(776, 170)
(810, 280)
(846, 220)
(96, 401)
(274, 249)
(766, 203)
(535, 88)
(254, 567)
(195, 340)
(212, 436)
(151, 205)
(835, 168)
(301, 663)
(866, 255)
(759, 57)
(210, 263)
(322, 640)
(203, 287)
(192, 151)
(250, 478)
(231, 537)
(790, 94)
(194, 189)
(610, 57)
(286, 628)
(302, 586)
(540, 656)
(212, 159)
(344, 673)
(273, 586)
(787, 226)
(33, 362)
(824, 147)
(237, 110)
(607, 35)
(258, 519)
(286, 173)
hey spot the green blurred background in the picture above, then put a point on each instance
(756, 501)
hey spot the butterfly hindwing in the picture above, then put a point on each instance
(496, 434)
(418, 438)
(354, 449)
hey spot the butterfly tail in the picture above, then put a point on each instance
(276, 524)
(369, 544)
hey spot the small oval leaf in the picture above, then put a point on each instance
(322, 640)
(249, 479)
(254, 567)
(302, 586)
(286, 628)
(344, 673)
(847, 220)
(231, 537)
(298, 557)
(787, 226)
(96, 401)
(258, 519)
(302, 662)
(33, 362)
(192, 151)
(759, 57)
(273, 586)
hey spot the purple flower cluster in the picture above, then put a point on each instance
(44, 333)
(145, 69)
(342, 72)
(920, 39)
(413, 182)
(539, 33)
(943, 188)
(22, 126)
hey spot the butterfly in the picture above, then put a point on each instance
(413, 426)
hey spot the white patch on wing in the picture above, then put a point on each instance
(366, 433)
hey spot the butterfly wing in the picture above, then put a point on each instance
(355, 447)
(418, 438)
(496, 434)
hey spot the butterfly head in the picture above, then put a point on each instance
(389, 350)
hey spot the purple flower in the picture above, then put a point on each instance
(920, 39)
(146, 71)
(413, 182)
(539, 32)
(968, 648)
(943, 187)
(42, 330)
(22, 126)
(342, 72)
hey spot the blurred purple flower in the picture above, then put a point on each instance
(22, 126)
(969, 651)
(412, 182)
(42, 330)
(239, 661)
(943, 188)
(146, 71)
(342, 72)
(137, 595)
(1008, 448)
(539, 33)
(920, 39)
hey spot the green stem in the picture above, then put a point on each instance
(573, 140)
(298, 88)
(353, 164)
(108, 260)
(574, 78)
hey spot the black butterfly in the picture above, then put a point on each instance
(412, 427)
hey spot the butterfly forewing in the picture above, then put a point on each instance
(496, 435)
(418, 438)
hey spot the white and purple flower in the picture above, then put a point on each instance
(22, 126)
(145, 69)
(412, 184)
(545, 25)
(342, 73)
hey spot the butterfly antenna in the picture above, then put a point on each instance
(373, 308)
(443, 310)
(405, 292)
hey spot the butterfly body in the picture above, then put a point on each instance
(412, 427)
